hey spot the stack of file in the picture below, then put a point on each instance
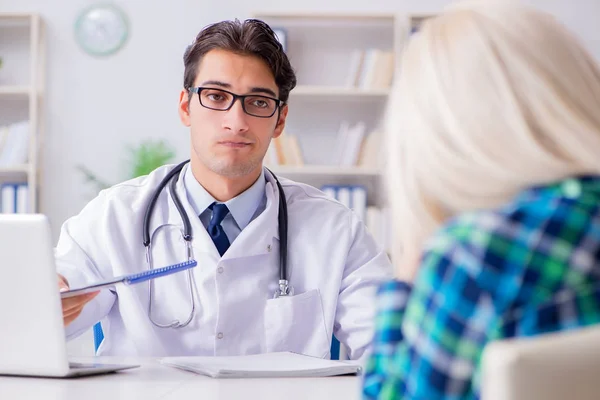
(268, 365)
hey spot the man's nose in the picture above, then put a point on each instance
(236, 119)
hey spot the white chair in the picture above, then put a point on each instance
(557, 366)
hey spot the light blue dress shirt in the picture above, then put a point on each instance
(242, 209)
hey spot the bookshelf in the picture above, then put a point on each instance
(326, 51)
(22, 49)
(345, 64)
(333, 138)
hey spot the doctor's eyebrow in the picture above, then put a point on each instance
(226, 85)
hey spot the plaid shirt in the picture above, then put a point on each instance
(528, 268)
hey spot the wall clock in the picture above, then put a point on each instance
(101, 29)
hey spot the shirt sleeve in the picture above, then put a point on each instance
(429, 339)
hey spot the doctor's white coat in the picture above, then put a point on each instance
(334, 268)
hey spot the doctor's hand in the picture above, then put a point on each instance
(73, 306)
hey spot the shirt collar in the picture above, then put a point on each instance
(242, 207)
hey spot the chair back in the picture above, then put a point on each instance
(555, 366)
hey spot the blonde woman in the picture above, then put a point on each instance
(494, 160)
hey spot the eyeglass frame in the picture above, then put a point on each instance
(198, 89)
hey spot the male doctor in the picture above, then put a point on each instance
(234, 100)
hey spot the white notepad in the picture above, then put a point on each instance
(268, 365)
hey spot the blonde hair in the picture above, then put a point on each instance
(491, 98)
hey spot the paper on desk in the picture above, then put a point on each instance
(268, 365)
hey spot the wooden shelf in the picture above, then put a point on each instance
(22, 168)
(327, 16)
(14, 90)
(4, 15)
(323, 170)
(316, 90)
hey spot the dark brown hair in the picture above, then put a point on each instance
(251, 37)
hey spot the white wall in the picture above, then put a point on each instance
(94, 107)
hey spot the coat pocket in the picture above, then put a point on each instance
(296, 323)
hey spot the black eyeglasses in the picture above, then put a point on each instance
(222, 100)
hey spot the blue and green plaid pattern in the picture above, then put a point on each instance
(528, 268)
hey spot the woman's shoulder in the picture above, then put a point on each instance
(552, 226)
(543, 210)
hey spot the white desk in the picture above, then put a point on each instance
(153, 381)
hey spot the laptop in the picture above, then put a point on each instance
(32, 334)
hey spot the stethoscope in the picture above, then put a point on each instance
(171, 180)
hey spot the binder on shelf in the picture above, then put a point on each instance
(358, 201)
(329, 191)
(9, 199)
(14, 198)
(22, 198)
(375, 219)
(352, 196)
(343, 196)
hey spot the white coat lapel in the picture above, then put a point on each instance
(260, 236)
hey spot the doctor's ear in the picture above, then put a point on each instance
(184, 107)
(281, 121)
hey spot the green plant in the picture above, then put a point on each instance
(148, 156)
(142, 159)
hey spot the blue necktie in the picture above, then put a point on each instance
(215, 230)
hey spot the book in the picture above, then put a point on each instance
(267, 365)
(355, 63)
(352, 144)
